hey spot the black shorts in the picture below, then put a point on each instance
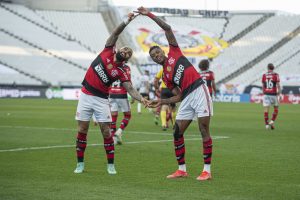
(145, 95)
(165, 94)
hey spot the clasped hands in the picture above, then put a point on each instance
(150, 103)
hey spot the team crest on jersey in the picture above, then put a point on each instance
(110, 66)
(169, 68)
(171, 61)
(114, 73)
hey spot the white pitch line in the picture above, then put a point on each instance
(68, 146)
(74, 130)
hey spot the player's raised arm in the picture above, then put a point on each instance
(166, 27)
(111, 41)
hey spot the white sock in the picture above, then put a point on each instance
(139, 107)
(206, 168)
(120, 131)
(182, 167)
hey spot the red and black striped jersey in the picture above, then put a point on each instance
(208, 76)
(270, 81)
(178, 71)
(116, 90)
(102, 73)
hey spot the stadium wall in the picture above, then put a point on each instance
(73, 93)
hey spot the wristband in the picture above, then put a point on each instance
(151, 15)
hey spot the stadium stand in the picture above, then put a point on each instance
(39, 63)
(47, 40)
(213, 25)
(240, 24)
(14, 76)
(67, 41)
(31, 16)
(253, 44)
(88, 28)
(282, 58)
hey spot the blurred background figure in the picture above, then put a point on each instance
(144, 88)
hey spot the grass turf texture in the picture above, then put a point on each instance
(252, 163)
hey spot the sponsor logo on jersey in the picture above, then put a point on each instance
(114, 73)
(107, 60)
(178, 74)
(117, 83)
(171, 60)
(169, 68)
(101, 73)
(110, 66)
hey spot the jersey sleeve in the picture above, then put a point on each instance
(108, 51)
(263, 78)
(212, 76)
(175, 50)
(278, 79)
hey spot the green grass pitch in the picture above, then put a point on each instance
(248, 161)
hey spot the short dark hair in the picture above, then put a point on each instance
(153, 47)
(204, 64)
(271, 66)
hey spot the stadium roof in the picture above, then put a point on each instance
(289, 6)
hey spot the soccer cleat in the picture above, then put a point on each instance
(178, 174)
(164, 128)
(271, 124)
(156, 121)
(267, 127)
(111, 169)
(118, 137)
(79, 168)
(204, 176)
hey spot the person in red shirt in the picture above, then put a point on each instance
(208, 77)
(271, 90)
(106, 68)
(184, 81)
(118, 100)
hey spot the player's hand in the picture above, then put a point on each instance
(143, 11)
(214, 97)
(280, 97)
(144, 101)
(154, 103)
(131, 16)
